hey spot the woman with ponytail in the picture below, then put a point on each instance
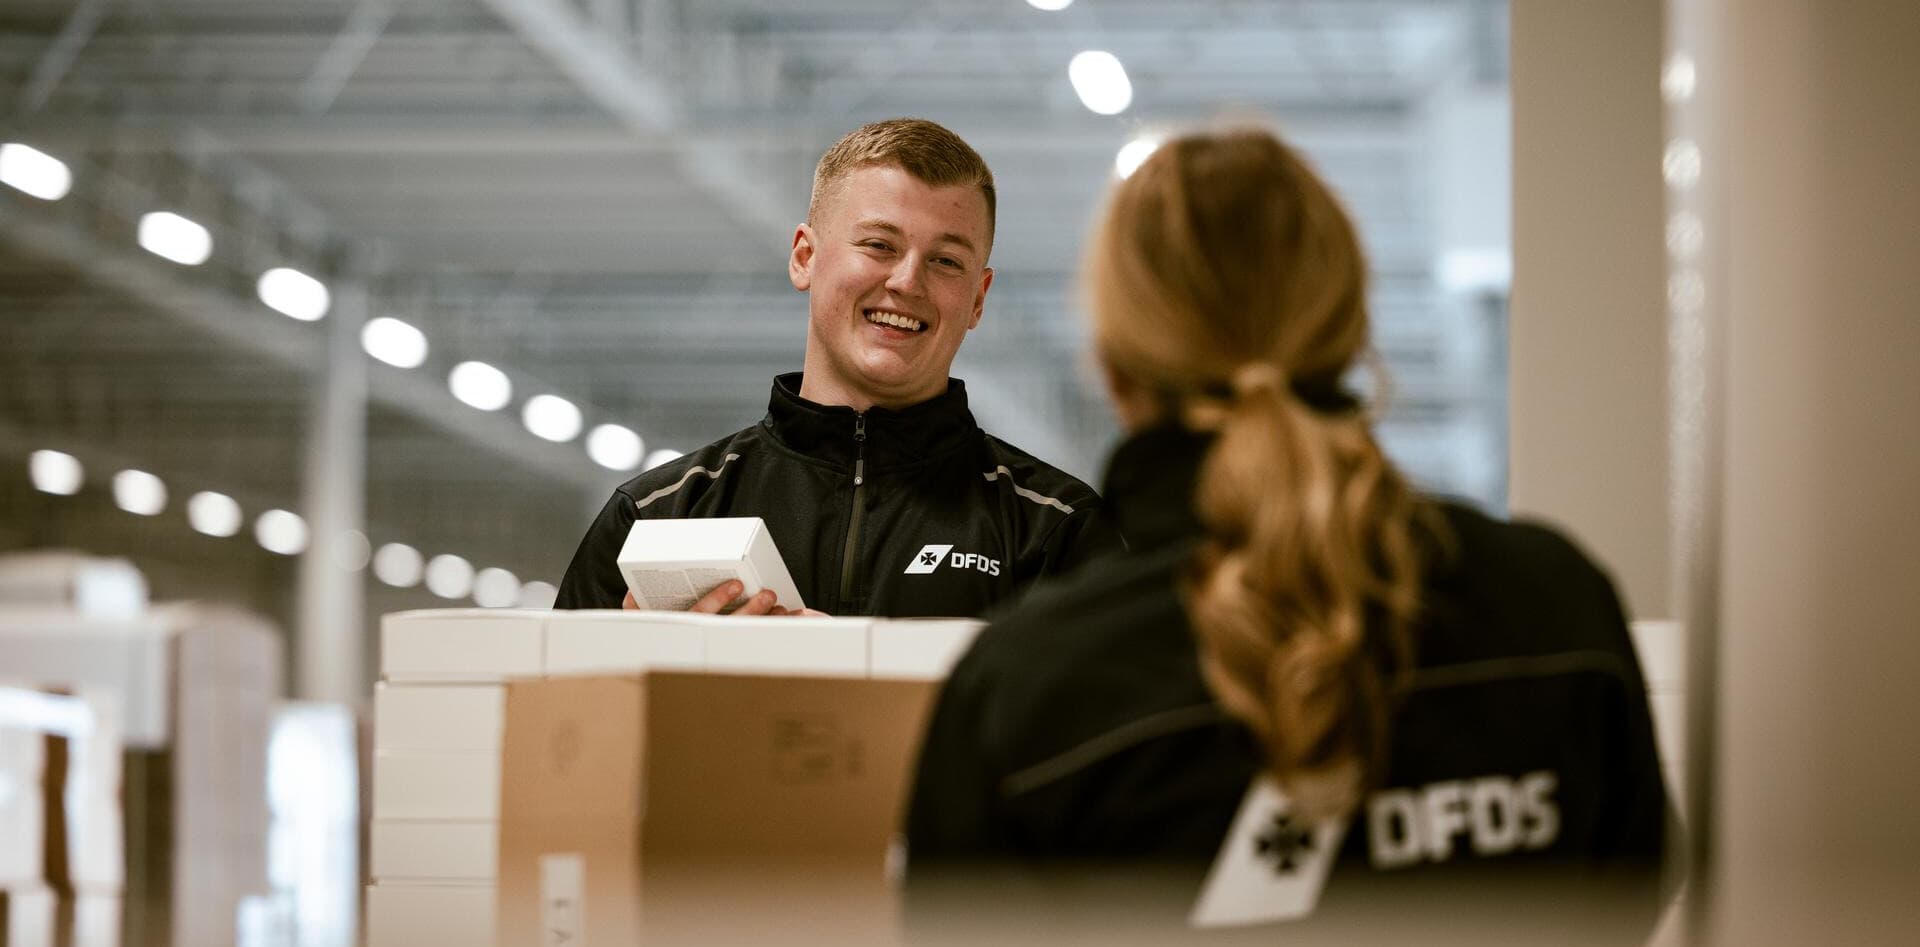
(1300, 653)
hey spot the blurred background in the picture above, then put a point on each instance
(593, 200)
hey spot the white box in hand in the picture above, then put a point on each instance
(671, 563)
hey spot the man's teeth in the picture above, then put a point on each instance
(895, 320)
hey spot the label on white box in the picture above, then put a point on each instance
(414, 716)
(461, 644)
(563, 891)
(611, 641)
(919, 649)
(418, 785)
(789, 645)
(669, 564)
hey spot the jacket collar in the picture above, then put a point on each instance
(1149, 485)
(894, 438)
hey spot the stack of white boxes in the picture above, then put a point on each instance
(68, 893)
(438, 717)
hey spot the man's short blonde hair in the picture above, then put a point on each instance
(921, 148)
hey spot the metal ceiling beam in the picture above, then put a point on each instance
(60, 56)
(343, 58)
(292, 346)
(645, 103)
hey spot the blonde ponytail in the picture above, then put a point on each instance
(1305, 591)
(1225, 277)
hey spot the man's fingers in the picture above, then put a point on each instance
(721, 596)
(762, 603)
(629, 604)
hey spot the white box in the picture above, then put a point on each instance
(671, 563)
(23, 809)
(438, 717)
(1662, 649)
(418, 850)
(458, 645)
(420, 785)
(30, 913)
(605, 640)
(1670, 727)
(404, 915)
(831, 647)
(131, 659)
(919, 649)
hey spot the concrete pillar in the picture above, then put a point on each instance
(330, 650)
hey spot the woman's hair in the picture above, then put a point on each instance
(1225, 279)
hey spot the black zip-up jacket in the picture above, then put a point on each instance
(915, 512)
(1077, 730)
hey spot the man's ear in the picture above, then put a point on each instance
(980, 298)
(800, 260)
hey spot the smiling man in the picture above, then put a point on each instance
(883, 494)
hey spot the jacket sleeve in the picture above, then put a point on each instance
(1085, 535)
(593, 578)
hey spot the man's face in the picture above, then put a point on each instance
(895, 272)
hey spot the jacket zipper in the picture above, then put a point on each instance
(859, 507)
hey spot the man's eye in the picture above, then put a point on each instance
(875, 245)
(949, 263)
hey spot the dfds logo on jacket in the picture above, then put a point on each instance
(932, 555)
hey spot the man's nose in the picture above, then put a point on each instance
(907, 277)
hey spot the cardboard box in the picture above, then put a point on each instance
(461, 645)
(671, 563)
(438, 717)
(416, 784)
(438, 851)
(919, 649)
(612, 641)
(405, 915)
(788, 645)
(703, 808)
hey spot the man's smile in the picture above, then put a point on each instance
(897, 320)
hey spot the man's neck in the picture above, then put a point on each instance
(828, 392)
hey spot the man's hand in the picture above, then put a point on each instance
(762, 603)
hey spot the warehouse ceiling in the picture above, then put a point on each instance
(595, 196)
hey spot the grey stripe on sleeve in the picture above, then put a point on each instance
(674, 487)
(1020, 491)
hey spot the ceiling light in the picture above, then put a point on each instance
(495, 588)
(615, 447)
(551, 417)
(398, 565)
(214, 514)
(29, 169)
(661, 456)
(1100, 81)
(1133, 154)
(55, 472)
(294, 294)
(139, 492)
(394, 342)
(1051, 6)
(538, 594)
(449, 576)
(167, 234)
(282, 532)
(480, 385)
